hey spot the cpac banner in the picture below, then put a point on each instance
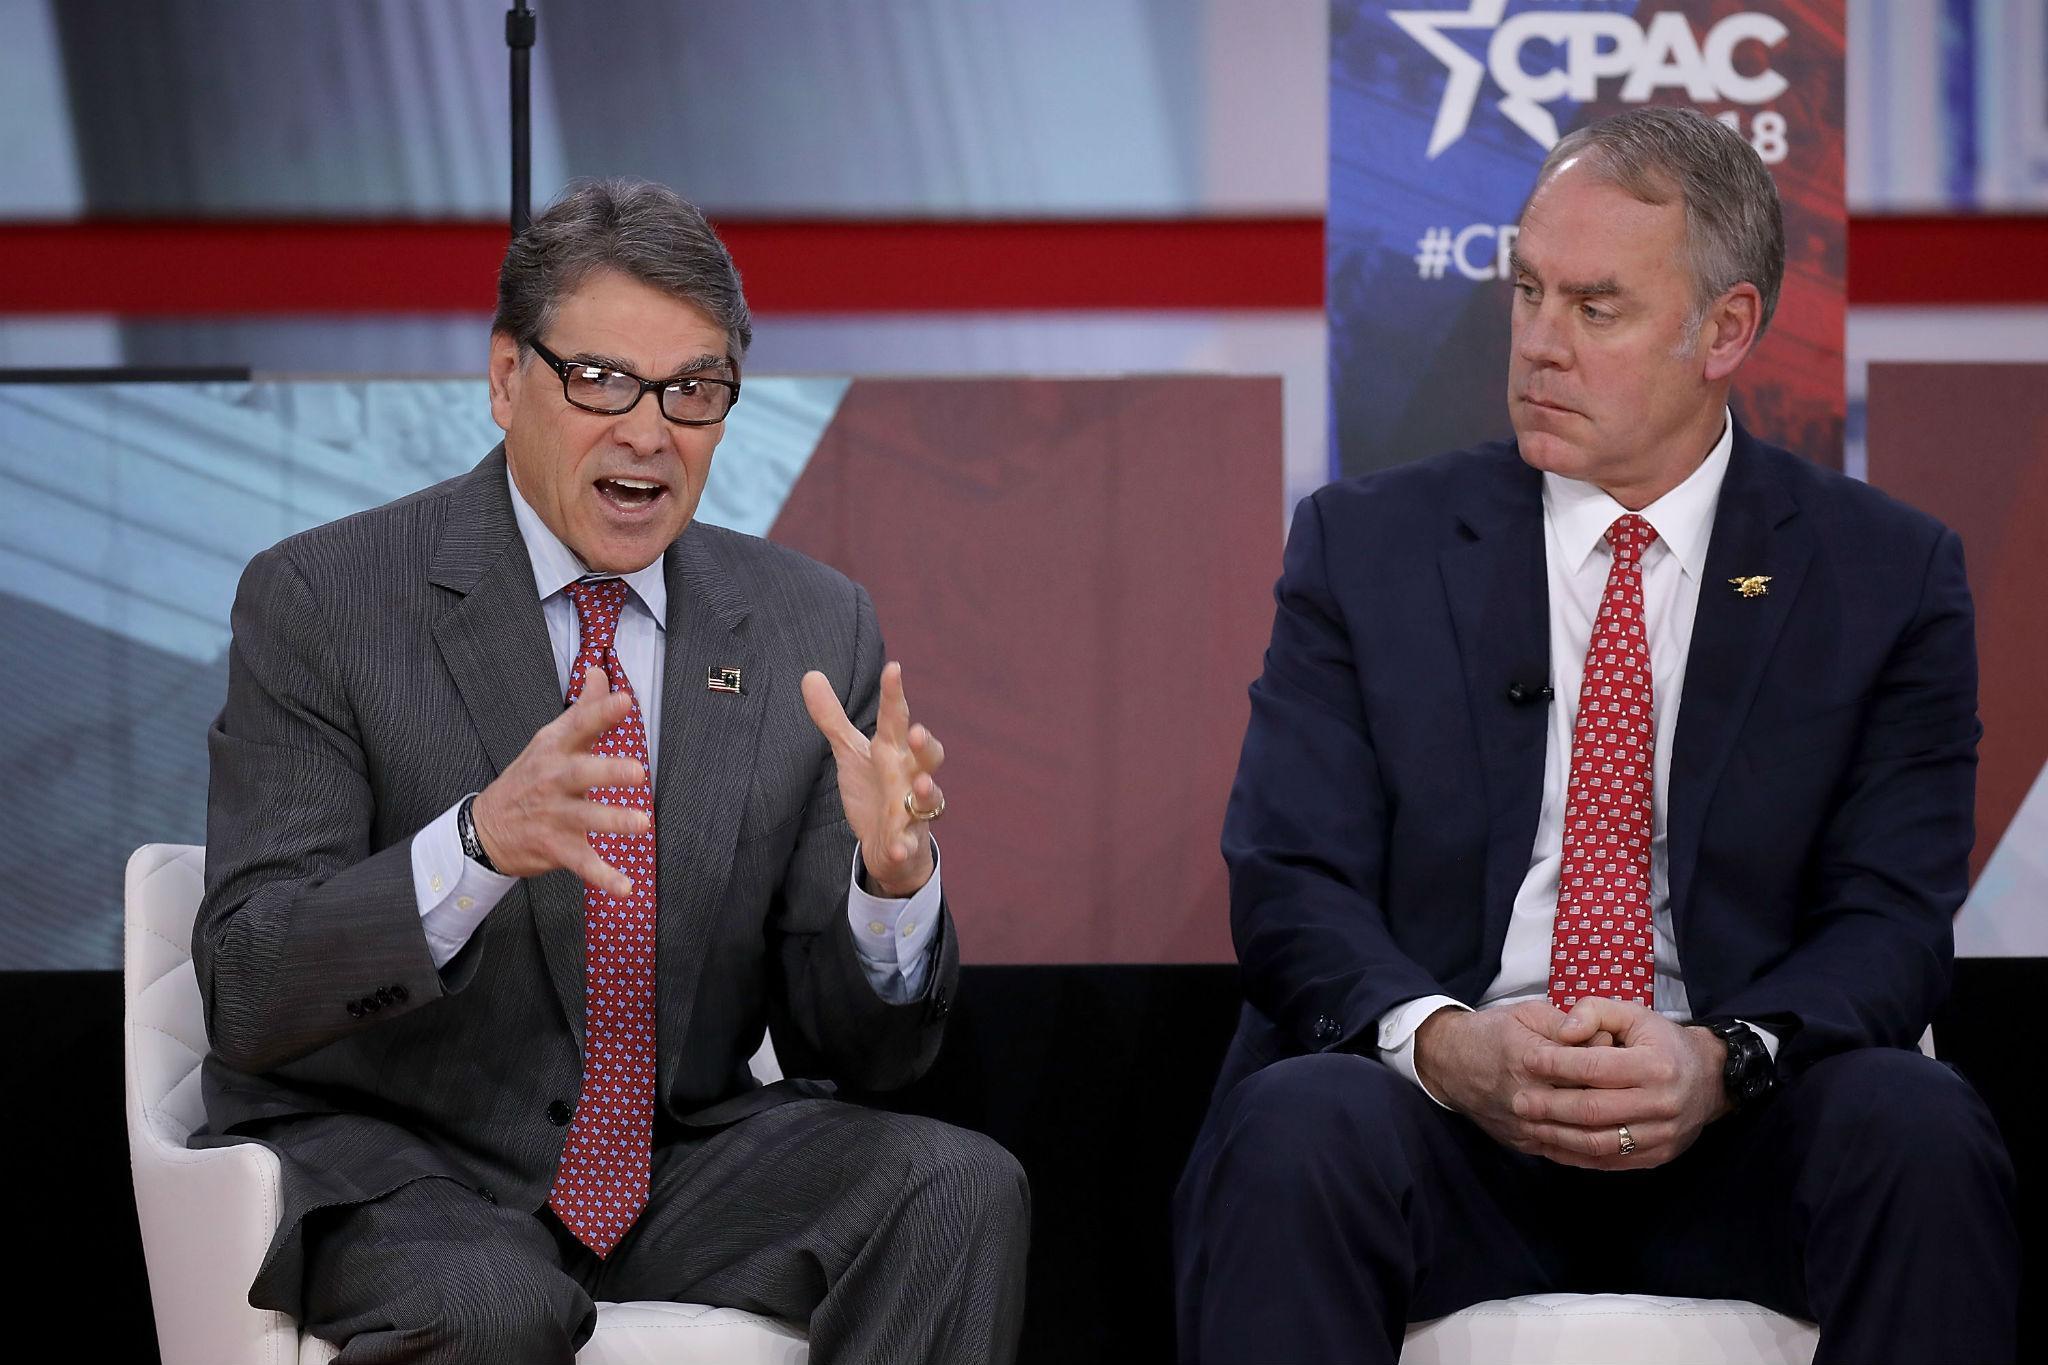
(1440, 113)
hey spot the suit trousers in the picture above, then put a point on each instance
(897, 1238)
(1329, 1203)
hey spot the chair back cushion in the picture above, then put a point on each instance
(166, 1023)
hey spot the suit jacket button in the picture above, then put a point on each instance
(400, 993)
(385, 997)
(369, 1002)
(355, 1009)
(1326, 1028)
(489, 1198)
(559, 1112)
(941, 1005)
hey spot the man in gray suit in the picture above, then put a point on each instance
(486, 970)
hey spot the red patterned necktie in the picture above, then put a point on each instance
(1601, 942)
(601, 1185)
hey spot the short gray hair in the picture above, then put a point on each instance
(636, 227)
(1734, 227)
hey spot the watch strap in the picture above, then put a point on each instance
(465, 830)
(1750, 1076)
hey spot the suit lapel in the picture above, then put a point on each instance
(1499, 596)
(705, 772)
(1756, 531)
(495, 645)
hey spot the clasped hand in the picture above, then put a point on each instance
(1562, 1086)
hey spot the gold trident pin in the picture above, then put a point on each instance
(1753, 585)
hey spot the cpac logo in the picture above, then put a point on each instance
(1665, 56)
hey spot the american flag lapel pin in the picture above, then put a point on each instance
(721, 679)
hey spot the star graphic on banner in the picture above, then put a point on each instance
(1461, 90)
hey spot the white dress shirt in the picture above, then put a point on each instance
(1577, 558)
(893, 937)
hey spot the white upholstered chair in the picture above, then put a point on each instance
(1612, 1329)
(1616, 1329)
(207, 1216)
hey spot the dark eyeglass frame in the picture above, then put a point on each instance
(562, 367)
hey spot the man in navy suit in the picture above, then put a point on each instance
(1604, 807)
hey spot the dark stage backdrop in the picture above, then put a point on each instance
(1440, 113)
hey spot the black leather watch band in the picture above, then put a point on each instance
(465, 829)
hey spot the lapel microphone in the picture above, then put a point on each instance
(1526, 694)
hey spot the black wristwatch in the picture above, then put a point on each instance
(465, 829)
(1751, 1077)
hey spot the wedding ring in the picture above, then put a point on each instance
(1628, 1144)
(910, 808)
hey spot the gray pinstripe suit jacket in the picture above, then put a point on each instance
(385, 664)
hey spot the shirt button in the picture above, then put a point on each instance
(465, 902)
(909, 929)
(435, 881)
(875, 926)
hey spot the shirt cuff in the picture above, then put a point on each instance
(454, 893)
(1770, 1038)
(1397, 1035)
(894, 936)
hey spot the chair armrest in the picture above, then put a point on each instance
(207, 1218)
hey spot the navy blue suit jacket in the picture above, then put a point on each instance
(1822, 772)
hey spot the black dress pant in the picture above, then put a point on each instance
(1329, 1203)
(896, 1239)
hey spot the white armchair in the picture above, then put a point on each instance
(1612, 1329)
(207, 1216)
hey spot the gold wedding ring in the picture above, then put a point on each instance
(1628, 1144)
(910, 808)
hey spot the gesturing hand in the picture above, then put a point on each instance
(538, 816)
(875, 776)
(1661, 1080)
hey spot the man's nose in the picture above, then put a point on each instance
(1540, 339)
(642, 428)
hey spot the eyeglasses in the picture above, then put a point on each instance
(690, 400)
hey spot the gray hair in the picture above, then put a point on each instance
(636, 227)
(1734, 227)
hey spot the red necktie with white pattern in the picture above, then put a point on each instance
(1601, 942)
(601, 1185)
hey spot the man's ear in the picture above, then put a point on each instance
(1731, 329)
(504, 363)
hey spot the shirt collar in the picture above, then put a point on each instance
(556, 566)
(1580, 512)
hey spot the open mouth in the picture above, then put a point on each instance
(631, 495)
